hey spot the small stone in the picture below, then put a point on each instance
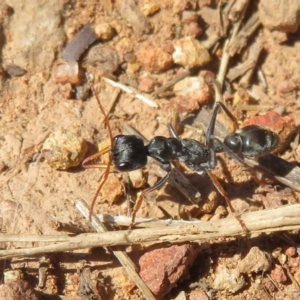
(148, 9)
(190, 53)
(11, 275)
(154, 59)
(296, 275)
(294, 262)
(132, 68)
(255, 261)
(189, 16)
(229, 280)
(290, 251)
(282, 15)
(192, 29)
(104, 57)
(66, 72)
(104, 31)
(180, 5)
(147, 84)
(129, 57)
(18, 289)
(268, 284)
(63, 149)
(198, 295)
(112, 190)
(193, 89)
(15, 71)
(123, 47)
(278, 274)
(137, 179)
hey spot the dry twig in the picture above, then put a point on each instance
(247, 65)
(278, 219)
(132, 91)
(122, 256)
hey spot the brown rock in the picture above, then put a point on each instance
(278, 274)
(154, 59)
(255, 261)
(17, 290)
(162, 268)
(103, 57)
(147, 84)
(282, 15)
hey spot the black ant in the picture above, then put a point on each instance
(129, 153)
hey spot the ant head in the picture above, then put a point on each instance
(128, 153)
(234, 142)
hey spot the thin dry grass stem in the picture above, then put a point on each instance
(122, 256)
(278, 219)
(132, 91)
(226, 56)
(246, 66)
(172, 82)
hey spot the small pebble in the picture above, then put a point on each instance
(104, 31)
(282, 15)
(255, 261)
(63, 149)
(189, 16)
(150, 8)
(229, 280)
(154, 59)
(103, 57)
(278, 274)
(198, 295)
(137, 179)
(15, 71)
(147, 84)
(190, 53)
(17, 290)
(66, 72)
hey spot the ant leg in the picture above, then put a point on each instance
(172, 131)
(95, 157)
(211, 126)
(127, 189)
(104, 178)
(224, 194)
(143, 194)
(210, 140)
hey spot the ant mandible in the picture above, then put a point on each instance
(128, 152)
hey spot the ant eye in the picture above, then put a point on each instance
(124, 166)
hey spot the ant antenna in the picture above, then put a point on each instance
(90, 82)
(98, 154)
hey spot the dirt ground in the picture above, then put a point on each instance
(136, 48)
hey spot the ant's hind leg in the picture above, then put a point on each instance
(143, 194)
(224, 194)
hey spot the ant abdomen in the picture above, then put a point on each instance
(252, 140)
